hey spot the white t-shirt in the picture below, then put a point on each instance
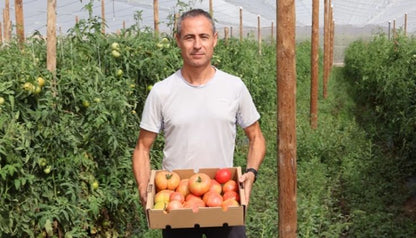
(198, 122)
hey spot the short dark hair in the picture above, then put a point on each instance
(195, 13)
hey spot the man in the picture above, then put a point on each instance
(197, 108)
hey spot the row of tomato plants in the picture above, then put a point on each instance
(381, 74)
(384, 75)
(66, 138)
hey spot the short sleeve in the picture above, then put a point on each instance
(152, 112)
(247, 113)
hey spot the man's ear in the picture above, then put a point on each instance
(177, 38)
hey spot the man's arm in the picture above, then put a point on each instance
(256, 153)
(141, 162)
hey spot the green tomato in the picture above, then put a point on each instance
(95, 185)
(2, 100)
(149, 87)
(86, 103)
(47, 170)
(115, 46)
(36, 89)
(28, 86)
(41, 81)
(119, 72)
(42, 162)
(115, 53)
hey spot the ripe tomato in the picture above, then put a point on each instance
(167, 180)
(191, 197)
(229, 203)
(231, 195)
(223, 175)
(199, 184)
(215, 186)
(172, 205)
(183, 187)
(194, 203)
(163, 195)
(231, 185)
(212, 199)
(177, 196)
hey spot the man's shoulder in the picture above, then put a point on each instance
(168, 81)
(229, 78)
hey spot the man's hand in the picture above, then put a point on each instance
(247, 179)
(143, 197)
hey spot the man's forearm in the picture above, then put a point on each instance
(141, 170)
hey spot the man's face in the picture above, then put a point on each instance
(196, 41)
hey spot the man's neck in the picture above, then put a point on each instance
(198, 76)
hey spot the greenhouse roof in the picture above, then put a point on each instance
(356, 13)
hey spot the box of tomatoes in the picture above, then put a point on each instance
(209, 197)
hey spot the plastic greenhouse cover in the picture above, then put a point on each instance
(356, 13)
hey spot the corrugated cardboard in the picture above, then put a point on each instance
(205, 217)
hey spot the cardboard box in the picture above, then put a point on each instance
(205, 217)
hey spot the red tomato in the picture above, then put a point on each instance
(231, 185)
(172, 205)
(199, 184)
(223, 175)
(191, 196)
(194, 203)
(231, 195)
(215, 186)
(212, 199)
(167, 180)
(176, 196)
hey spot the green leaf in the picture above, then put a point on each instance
(48, 227)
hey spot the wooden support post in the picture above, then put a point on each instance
(394, 29)
(331, 39)
(332, 43)
(405, 24)
(272, 33)
(1, 35)
(314, 64)
(286, 117)
(20, 25)
(103, 21)
(389, 30)
(175, 24)
(326, 47)
(259, 33)
(226, 34)
(51, 36)
(241, 23)
(156, 16)
(6, 22)
(51, 43)
(211, 9)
